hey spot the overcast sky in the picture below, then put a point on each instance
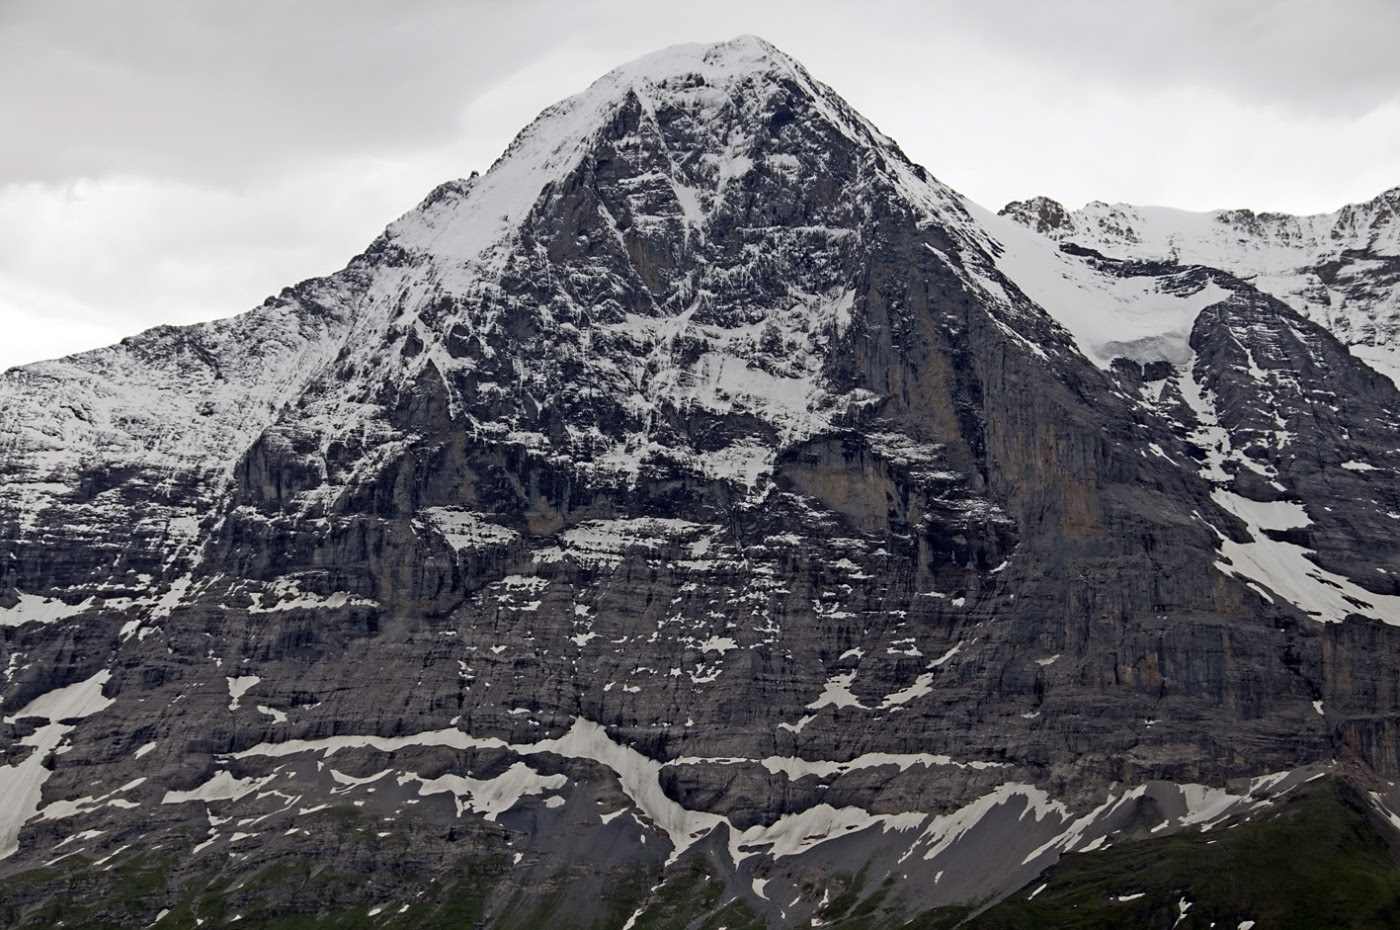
(179, 160)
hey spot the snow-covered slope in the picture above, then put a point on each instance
(1341, 269)
(1145, 316)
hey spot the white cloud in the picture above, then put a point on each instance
(84, 263)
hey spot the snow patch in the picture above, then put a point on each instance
(33, 608)
(489, 797)
(837, 692)
(466, 531)
(239, 686)
(22, 784)
(1284, 567)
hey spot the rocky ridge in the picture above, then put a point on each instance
(1340, 269)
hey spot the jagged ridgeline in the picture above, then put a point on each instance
(707, 518)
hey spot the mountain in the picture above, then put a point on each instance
(1339, 269)
(706, 517)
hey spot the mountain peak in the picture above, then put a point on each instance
(698, 76)
(1338, 268)
(732, 99)
(747, 54)
(1041, 214)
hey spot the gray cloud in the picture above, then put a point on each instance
(176, 160)
(1333, 58)
(229, 91)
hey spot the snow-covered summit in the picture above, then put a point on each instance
(1239, 236)
(477, 223)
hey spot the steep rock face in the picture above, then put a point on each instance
(1291, 429)
(704, 480)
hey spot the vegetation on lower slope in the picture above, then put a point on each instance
(343, 869)
(1315, 860)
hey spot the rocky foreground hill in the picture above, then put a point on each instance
(707, 518)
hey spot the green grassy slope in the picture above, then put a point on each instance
(1315, 860)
